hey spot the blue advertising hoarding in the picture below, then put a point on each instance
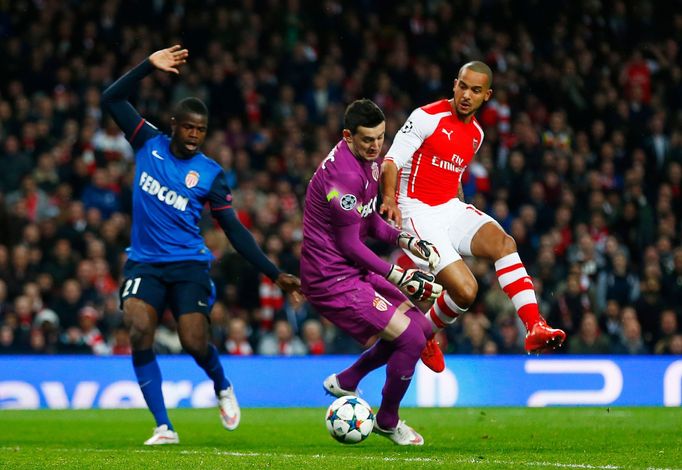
(59, 382)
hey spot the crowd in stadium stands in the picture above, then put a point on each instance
(581, 163)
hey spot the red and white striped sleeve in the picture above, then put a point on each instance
(418, 127)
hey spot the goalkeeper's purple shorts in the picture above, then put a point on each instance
(360, 306)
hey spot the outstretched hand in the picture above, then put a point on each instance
(393, 215)
(170, 59)
(292, 286)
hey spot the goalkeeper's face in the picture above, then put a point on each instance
(366, 142)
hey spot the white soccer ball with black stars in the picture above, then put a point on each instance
(349, 419)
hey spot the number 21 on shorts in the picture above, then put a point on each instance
(131, 286)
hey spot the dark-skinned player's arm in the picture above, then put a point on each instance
(389, 181)
(115, 97)
(220, 201)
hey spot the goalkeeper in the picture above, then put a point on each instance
(351, 286)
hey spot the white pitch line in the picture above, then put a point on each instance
(509, 463)
(314, 456)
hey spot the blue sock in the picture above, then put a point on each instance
(213, 368)
(149, 377)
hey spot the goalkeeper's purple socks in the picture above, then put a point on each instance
(399, 370)
(214, 369)
(149, 377)
(373, 358)
(378, 354)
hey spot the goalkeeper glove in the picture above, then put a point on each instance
(420, 248)
(417, 284)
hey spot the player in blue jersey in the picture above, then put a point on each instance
(168, 261)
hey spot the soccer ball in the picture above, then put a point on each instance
(349, 419)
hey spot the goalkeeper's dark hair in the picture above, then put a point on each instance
(189, 105)
(363, 113)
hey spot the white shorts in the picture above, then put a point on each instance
(450, 226)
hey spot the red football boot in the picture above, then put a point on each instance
(542, 338)
(432, 356)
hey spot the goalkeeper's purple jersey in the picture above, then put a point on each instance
(342, 193)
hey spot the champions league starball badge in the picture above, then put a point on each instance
(348, 201)
(407, 127)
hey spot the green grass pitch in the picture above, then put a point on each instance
(476, 438)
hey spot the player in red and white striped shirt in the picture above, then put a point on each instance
(421, 190)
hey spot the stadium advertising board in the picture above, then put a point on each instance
(78, 382)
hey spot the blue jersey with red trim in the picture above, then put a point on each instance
(169, 192)
(168, 198)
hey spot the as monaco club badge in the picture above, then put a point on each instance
(191, 179)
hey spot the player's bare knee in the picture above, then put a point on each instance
(465, 293)
(141, 331)
(508, 246)
(139, 322)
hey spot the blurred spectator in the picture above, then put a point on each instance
(47, 322)
(71, 341)
(674, 346)
(475, 334)
(510, 337)
(99, 195)
(15, 164)
(4, 304)
(237, 343)
(60, 264)
(34, 201)
(490, 348)
(90, 334)
(570, 305)
(668, 329)
(618, 283)
(589, 339)
(649, 307)
(313, 337)
(281, 342)
(69, 303)
(23, 314)
(8, 343)
(120, 344)
(631, 341)
(610, 322)
(672, 281)
(110, 143)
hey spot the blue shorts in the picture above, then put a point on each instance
(184, 286)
